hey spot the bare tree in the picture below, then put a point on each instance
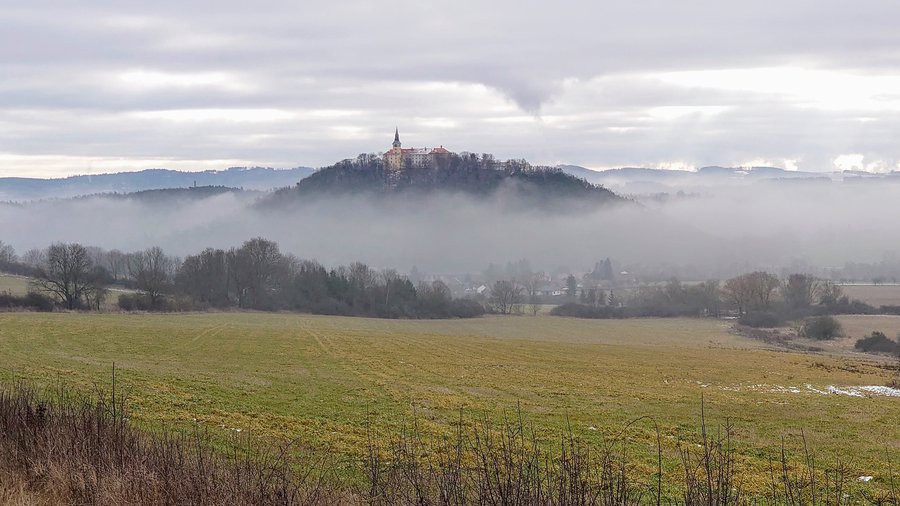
(751, 291)
(709, 294)
(152, 273)
(204, 277)
(737, 291)
(390, 278)
(7, 253)
(35, 257)
(254, 269)
(68, 274)
(829, 292)
(116, 263)
(763, 285)
(506, 297)
(434, 298)
(801, 290)
(96, 296)
(531, 284)
(361, 278)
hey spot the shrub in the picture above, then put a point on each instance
(33, 301)
(821, 328)
(846, 305)
(129, 302)
(39, 302)
(465, 308)
(761, 319)
(141, 302)
(889, 310)
(65, 450)
(877, 342)
(585, 311)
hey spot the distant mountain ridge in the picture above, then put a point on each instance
(759, 171)
(631, 180)
(248, 178)
(642, 180)
(191, 193)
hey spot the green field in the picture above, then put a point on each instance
(16, 285)
(319, 378)
(19, 285)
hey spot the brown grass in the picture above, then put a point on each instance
(876, 295)
(62, 450)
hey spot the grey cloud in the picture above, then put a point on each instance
(59, 94)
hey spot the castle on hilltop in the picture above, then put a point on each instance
(398, 158)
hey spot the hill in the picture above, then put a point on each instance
(169, 195)
(645, 181)
(457, 174)
(249, 178)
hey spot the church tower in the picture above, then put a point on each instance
(396, 137)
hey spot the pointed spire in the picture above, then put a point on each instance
(396, 137)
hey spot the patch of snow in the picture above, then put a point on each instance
(592, 428)
(865, 478)
(879, 390)
(850, 391)
(815, 390)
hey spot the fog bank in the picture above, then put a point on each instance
(772, 225)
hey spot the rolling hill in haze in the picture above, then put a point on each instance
(627, 180)
(645, 181)
(248, 178)
(543, 187)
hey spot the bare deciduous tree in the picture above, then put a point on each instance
(116, 263)
(7, 253)
(830, 292)
(35, 257)
(506, 297)
(254, 269)
(152, 272)
(801, 290)
(751, 291)
(68, 274)
(531, 284)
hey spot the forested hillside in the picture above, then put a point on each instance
(468, 174)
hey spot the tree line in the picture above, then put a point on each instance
(758, 299)
(256, 275)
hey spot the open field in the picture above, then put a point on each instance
(859, 326)
(16, 285)
(876, 295)
(319, 378)
(855, 327)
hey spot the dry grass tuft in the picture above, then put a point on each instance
(64, 450)
(68, 451)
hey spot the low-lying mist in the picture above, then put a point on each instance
(775, 225)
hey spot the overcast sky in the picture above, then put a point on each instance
(96, 86)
